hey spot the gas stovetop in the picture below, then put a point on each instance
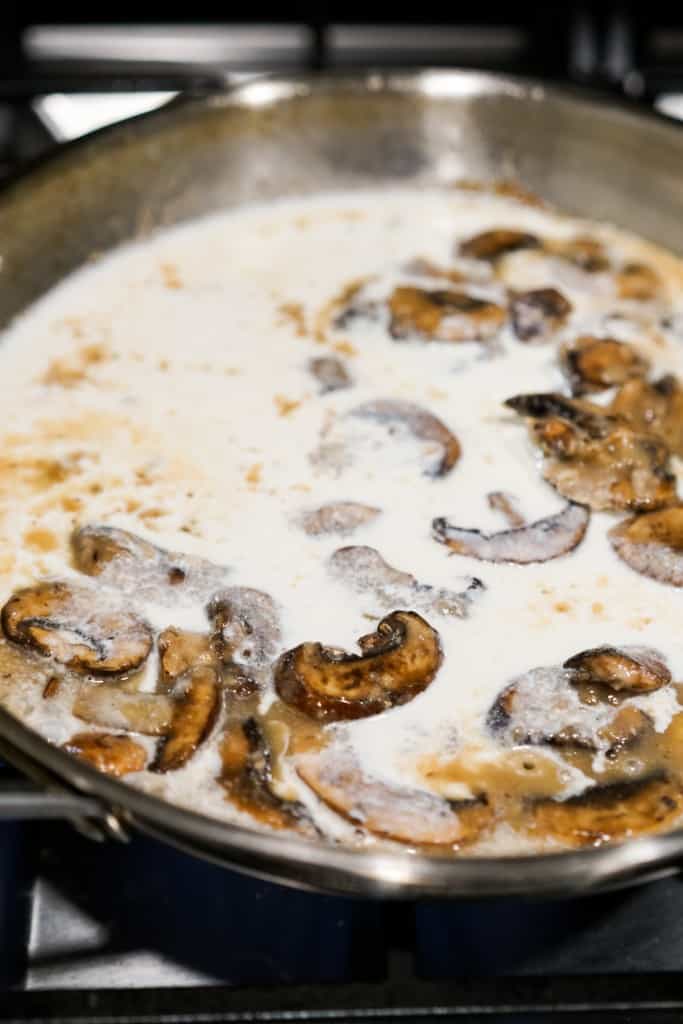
(144, 933)
(141, 933)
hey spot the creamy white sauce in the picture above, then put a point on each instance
(173, 390)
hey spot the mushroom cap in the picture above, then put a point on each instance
(69, 624)
(194, 716)
(399, 660)
(108, 752)
(652, 544)
(442, 315)
(632, 669)
(595, 364)
(414, 816)
(493, 245)
(537, 314)
(612, 812)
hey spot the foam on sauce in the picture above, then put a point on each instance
(166, 391)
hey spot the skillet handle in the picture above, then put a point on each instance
(47, 797)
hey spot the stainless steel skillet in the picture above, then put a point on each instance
(275, 137)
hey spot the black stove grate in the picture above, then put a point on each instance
(144, 933)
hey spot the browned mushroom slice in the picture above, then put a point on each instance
(399, 660)
(541, 541)
(442, 315)
(593, 459)
(247, 626)
(67, 623)
(180, 651)
(341, 517)
(610, 813)
(111, 707)
(108, 752)
(413, 816)
(492, 245)
(552, 706)
(543, 707)
(194, 715)
(637, 281)
(623, 472)
(587, 253)
(364, 569)
(655, 408)
(138, 567)
(422, 424)
(652, 544)
(538, 314)
(330, 373)
(246, 777)
(635, 669)
(585, 416)
(595, 364)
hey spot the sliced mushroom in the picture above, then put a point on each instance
(492, 245)
(137, 567)
(634, 669)
(71, 625)
(180, 651)
(652, 544)
(421, 423)
(586, 416)
(625, 471)
(111, 707)
(108, 752)
(595, 460)
(364, 569)
(637, 281)
(246, 777)
(330, 373)
(399, 660)
(655, 408)
(341, 517)
(194, 716)
(595, 364)
(610, 813)
(587, 253)
(538, 314)
(541, 541)
(442, 315)
(413, 816)
(543, 707)
(247, 626)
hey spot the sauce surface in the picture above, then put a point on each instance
(168, 391)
